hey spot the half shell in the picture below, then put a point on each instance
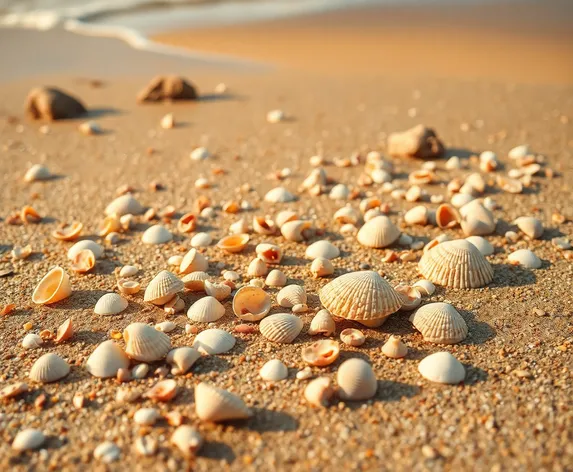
(269, 253)
(251, 303)
(53, 287)
(206, 310)
(49, 368)
(442, 367)
(163, 288)
(233, 243)
(144, 343)
(379, 232)
(447, 216)
(214, 341)
(281, 327)
(106, 360)
(215, 404)
(356, 380)
(273, 371)
(110, 304)
(193, 261)
(322, 248)
(291, 295)
(124, 205)
(440, 323)
(156, 234)
(322, 323)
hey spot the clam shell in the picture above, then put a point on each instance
(281, 327)
(276, 278)
(144, 343)
(525, 258)
(319, 391)
(206, 310)
(162, 288)
(322, 323)
(219, 291)
(28, 439)
(416, 216)
(394, 348)
(124, 205)
(529, 225)
(49, 368)
(356, 380)
(460, 199)
(32, 341)
(440, 323)
(262, 225)
(53, 287)
(107, 452)
(214, 341)
(295, 230)
(110, 304)
(273, 371)
(321, 267)
(195, 281)
(156, 234)
(128, 271)
(442, 367)
(456, 264)
(378, 233)
(477, 220)
(215, 404)
(199, 154)
(37, 172)
(482, 244)
(251, 303)
(339, 192)
(85, 244)
(352, 337)
(346, 215)
(447, 216)
(187, 439)
(291, 295)
(239, 227)
(269, 253)
(257, 268)
(69, 233)
(425, 287)
(322, 248)
(182, 359)
(193, 261)
(233, 243)
(321, 353)
(146, 416)
(279, 195)
(362, 296)
(106, 360)
(284, 217)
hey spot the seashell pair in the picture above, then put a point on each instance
(54, 287)
(233, 243)
(322, 323)
(440, 323)
(279, 195)
(162, 288)
(379, 232)
(110, 304)
(442, 367)
(156, 234)
(281, 327)
(206, 310)
(124, 205)
(356, 380)
(321, 353)
(291, 295)
(106, 360)
(323, 249)
(193, 261)
(273, 371)
(251, 303)
(216, 405)
(214, 341)
(525, 258)
(144, 343)
(49, 368)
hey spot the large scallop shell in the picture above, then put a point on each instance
(195, 281)
(144, 343)
(156, 234)
(273, 371)
(206, 310)
(124, 205)
(106, 360)
(163, 288)
(49, 368)
(356, 380)
(361, 296)
(442, 367)
(440, 323)
(193, 261)
(215, 404)
(214, 341)
(456, 264)
(322, 323)
(378, 233)
(251, 303)
(182, 359)
(525, 258)
(279, 195)
(85, 244)
(281, 327)
(322, 249)
(53, 287)
(110, 304)
(291, 295)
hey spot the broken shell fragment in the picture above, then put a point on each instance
(29, 215)
(187, 223)
(379, 232)
(28, 440)
(49, 368)
(110, 304)
(106, 360)
(296, 230)
(163, 391)
(156, 234)
(144, 343)
(68, 233)
(206, 310)
(291, 295)
(281, 327)
(279, 195)
(324, 249)
(182, 359)
(276, 278)
(352, 337)
(525, 258)
(262, 225)
(214, 341)
(273, 371)
(321, 353)
(322, 323)
(187, 439)
(219, 291)
(440, 323)
(394, 348)
(216, 405)
(269, 253)
(442, 367)
(411, 297)
(54, 287)
(83, 262)
(319, 391)
(356, 380)
(233, 243)
(251, 303)
(321, 267)
(162, 288)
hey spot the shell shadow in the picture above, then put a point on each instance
(474, 375)
(89, 337)
(392, 391)
(80, 299)
(102, 111)
(479, 332)
(507, 275)
(265, 420)
(218, 451)
(220, 97)
(209, 364)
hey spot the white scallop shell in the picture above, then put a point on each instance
(440, 323)
(187, 439)
(279, 195)
(106, 360)
(321, 267)
(193, 261)
(37, 172)
(257, 268)
(199, 154)
(110, 304)
(525, 258)
(85, 244)
(356, 380)
(442, 367)
(394, 348)
(281, 327)
(28, 439)
(182, 358)
(214, 341)
(323, 249)
(32, 341)
(162, 288)
(219, 291)
(156, 234)
(273, 371)
(195, 281)
(295, 230)
(322, 323)
(144, 343)
(215, 404)
(49, 368)
(269, 253)
(201, 240)
(378, 233)
(425, 287)
(276, 278)
(529, 225)
(124, 205)
(482, 244)
(291, 295)
(251, 303)
(206, 310)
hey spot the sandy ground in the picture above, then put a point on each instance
(495, 420)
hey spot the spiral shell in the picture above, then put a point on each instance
(144, 343)
(163, 288)
(214, 341)
(440, 323)
(379, 232)
(49, 368)
(106, 360)
(251, 303)
(281, 327)
(442, 367)
(356, 380)
(216, 405)
(291, 295)
(206, 310)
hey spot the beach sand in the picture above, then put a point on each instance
(513, 410)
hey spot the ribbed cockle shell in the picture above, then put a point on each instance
(440, 323)
(144, 343)
(281, 327)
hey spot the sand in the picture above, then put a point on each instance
(496, 420)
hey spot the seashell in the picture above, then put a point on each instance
(214, 341)
(276, 278)
(339, 192)
(251, 303)
(199, 154)
(68, 233)
(519, 152)
(162, 288)
(36, 173)
(425, 287)
(299, 308)
(411, 297)
(477, 220)
(453, 163)
(257, 268)
(281, 327)
(165, 326)
(529, 225)
(206, 310)
(21, 252)
(321, 267)
(124, 205)
(352, 337)
(319, 391)
(83, 262)
(187, 223)
(262, 225)
(524, 258)
(106, 360)
(273, 371)
(316, 177)
(346, 215)
(49, 368)
(54, 287)
(458, 200)
(356, 380)
(146, 416)
(168, 121)
(394, 348)
(362, 296)
(182, 359)
(279, 195)
(378, 233)
(90, 128)
(456, 264)
(107, 452)
(13, 390)
(175, 260)
(110, 224)
(201, 240)
(128, 287)
(239, 227)
(442, 367)
(64, 331)
(275, 116)
(482, 244)
(380, 176)
(284, 217)
(85, 244)
(296, 230)
(321, 353)
(447, 216)
(163, 391)
(32, 341)
(509, 185)
(291, 295)
(128, 271)
(195, 281)
(193, 261)
(413, 194)
(145, 446)
(187, 439)
(269, 253)
(322, 248)
(322, 323)
(417, 216)
(110, 304)
(219, 291)
(476, 182)
(28, 440)
(216, 405)
(233, 243)
(440, 323)
(156, 234)
(144, 343)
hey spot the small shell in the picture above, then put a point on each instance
(279, 195)
(394, 348)
(509, 185)
(281, 327)
(168, 121)
(251, 303)
(128, 287)
(215, 404)
(233, 243)
(182, 359)
(458, 200)
(339, 192)
(440, 323)
(128, 271)
(291, 295)
(144, 343)
(321, 353)
(276, 278)
(529, 225)
(425, 287)
(322, 323)
(319, 391)
(193, 261)
(276, 116)
(83, 262)
(156, 234)
(199, 154)
(477, 220)
(187, 439)
(284, 217)
(64, 331)
(323, 249)
(53, 287)
(219, 291)
(201, 240)
(262, 225)
(214, 341)
(269, 253)
(19, 252)
(346, 215)
(257, 268)
(352, 337)
(411, 297)
(124, 205)
(273, 371)
(187, 223)
(447, 216)
(110, 304)
(145, 446)
(49, 368)
(32, 341)
(195, 281)
(416, 216)
(110, 224)
(28, 440)
(442, 367)
(163, 391)
(36, 173)
(482, 244)
(106, 360)
(356, 380)
(69, 233)
(85, 244)
(378, 233)
(165, 326)
(107, 452)
(525, 258)
(206, 310)
(162, 288)
(296, 230)
(321, 267)
(146, 416)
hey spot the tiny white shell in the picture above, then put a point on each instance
(518, 152)
(425, 287)
(339, 192)
(275, 116)
(107, 452)
(394, 348)
(323, 249)
(28, 439)
(85, 244)
(146, 416)
(525, 258)
(32, 341)
(182, 359)
(110, 304)
(273, 371)
(106, 360)
(165, 326)
(201, 240)
(442, 367)
(206, 310)
(124, 205)
(281, 327)
(156, 234)
(128, 271)
(199, 154)
(279, 195)
(49, 368)
(214, 341)
(37, 172)
(187, 439)
(356, 380)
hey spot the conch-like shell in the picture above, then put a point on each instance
(251, 303)
(144, 343)
(124, 205)
(276, 278)
(296, 230)
(163, 288)
(156, 234)
(193, 261)
(378, 233)
(356, 380)
(195, 281)
(187, 439)
(447, 216)
(233, 243)
(322, 248)
(273, 371)
(442, 367)
(394, 348)
(53, 287)
(206, 310)
(456, 264)
(279, 195)
(214, 341)
(85, 244)
(69, 233)
(525, 258)
(219, 291)
(110, 304)
(182, 359)
(440, 323)
(322, 323)
(319, 391)
(281, 327)
(269, 253)
(49, 368)
(106, 360)
(321, 353)
(215, 404)
(291, 295)
(529, 225)
(257, 268)
(482, 244)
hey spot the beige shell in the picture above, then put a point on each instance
(251, 303)
(54, 287)
(257, 268)
(214, 341)
(68, 233)
(110, 304)
(378, 233)
(321, 267)
(425, 287)
(291, 295)
(163, 391)
(352, 337)
(28, 440)
(356, 380)
(321, 353)
(128, 287)
(106, 360)
(49, 368)
(156, 234)
(273, 371)
(124, 205)
(319, 391)
(456, 264)
(346, 215)
(442, 367)
(394, 348)
(322, 323)
(193, 261)
(440, 323)
(233, 243)
(163, 288)
(525, 258)
(215, 404)
(219, 291)
(284, 217)
(269, 253)
(110, 224)
(411, 297)
(339, 192)
(146, 416)
(107, 452)
(281, 327)
(529, 225)
(144, 343)
(195, 281)
(447, 216)
(187, 439)
(296, 230)
(85, 244)
(362, 296)
(477, 220)
(279, 195)
(165, 326)
(83, 262)
(322, 248)
(36, 173)
(482, 244)
(182, 359)
(416, 216)
(206, 310)
(32, 341)
(199, 154)
(262, 225)
(276, 278)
